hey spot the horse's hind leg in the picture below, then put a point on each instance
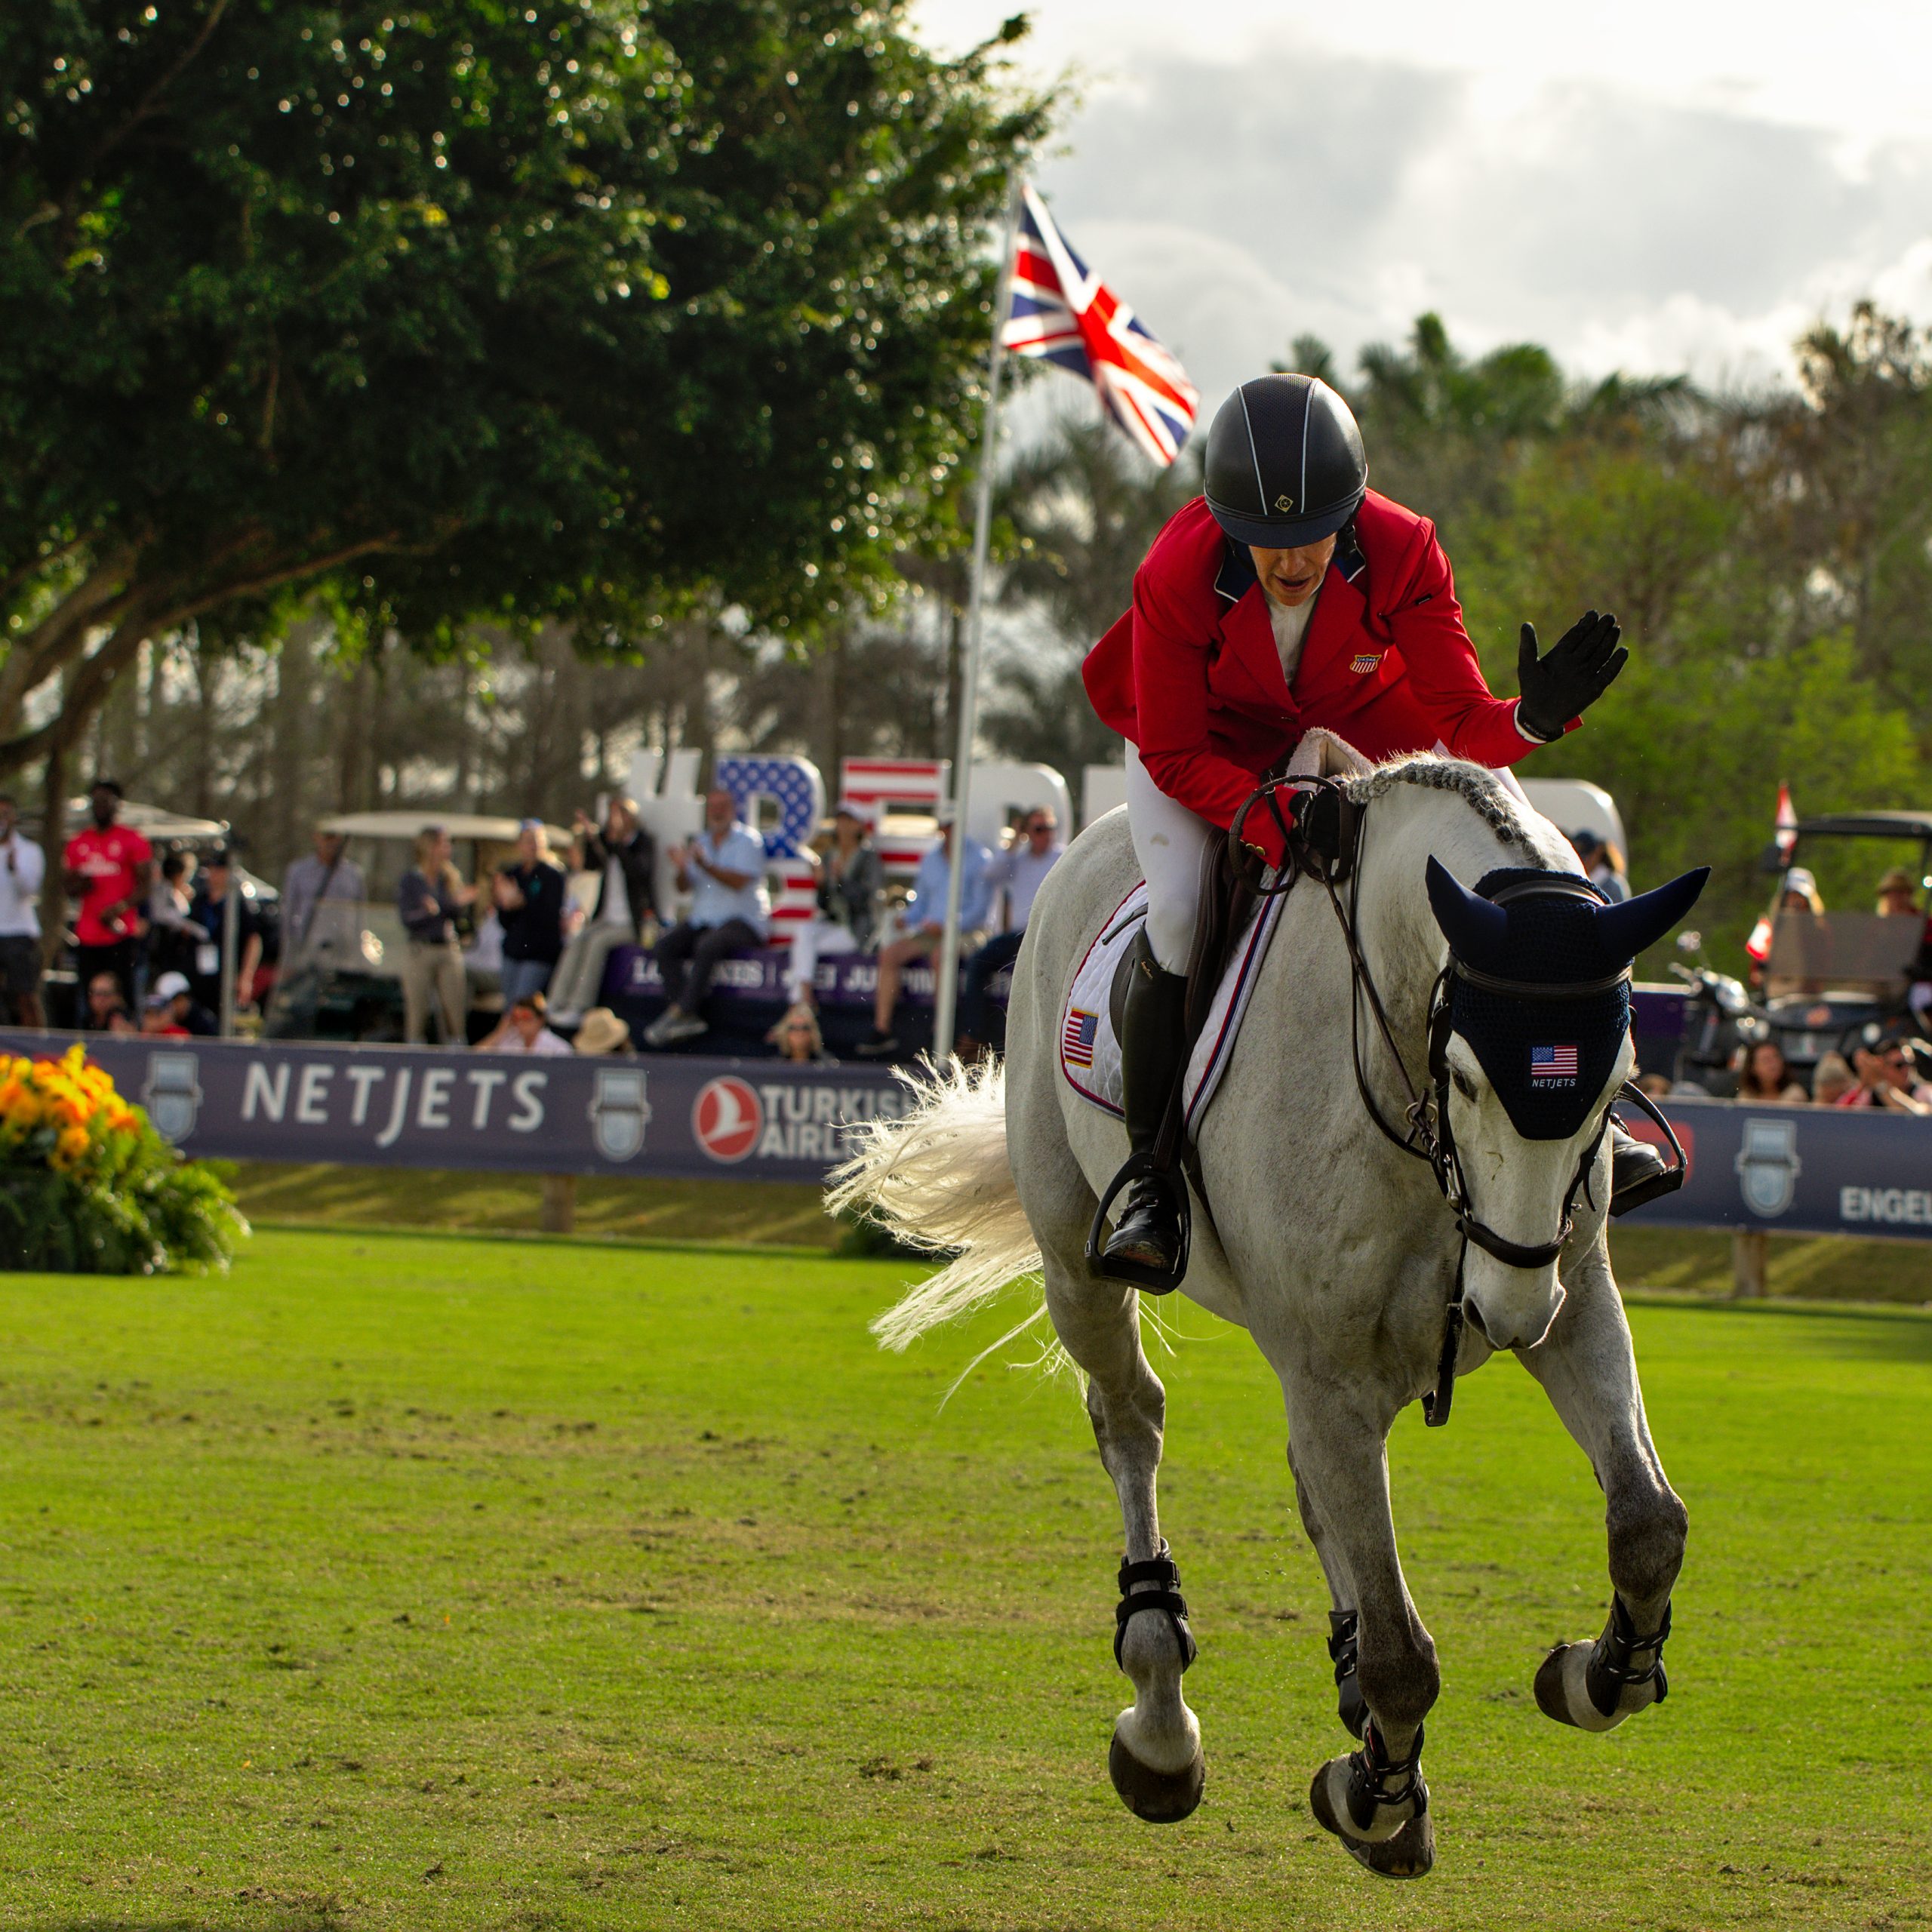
(1155, 1759)
(1589, 1370)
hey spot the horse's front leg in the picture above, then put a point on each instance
(1589, 1370)
(1374, 1799)
(1155, 1758)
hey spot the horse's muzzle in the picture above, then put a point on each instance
(1517, 1320)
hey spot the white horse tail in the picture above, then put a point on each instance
(938, 1179)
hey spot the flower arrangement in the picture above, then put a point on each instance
(88, 1186)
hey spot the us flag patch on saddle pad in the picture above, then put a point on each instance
(1552, 1066)
(1366, 662)
(1076, 1043)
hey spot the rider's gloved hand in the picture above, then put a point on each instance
(1569, 677)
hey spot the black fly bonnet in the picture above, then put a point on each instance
(1539, 984)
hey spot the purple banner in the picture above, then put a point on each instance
(843, 980)
(1798, 1170)
(672, 1116)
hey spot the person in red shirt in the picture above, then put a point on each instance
(1290, 595)
(110, 868)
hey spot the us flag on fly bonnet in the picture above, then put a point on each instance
(1064, 313)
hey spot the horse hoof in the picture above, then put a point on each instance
(1563, 1693)
(1408, 1852)
(1155, 1798)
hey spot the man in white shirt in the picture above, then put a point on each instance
(723, 869)
(23, 867)
(1015, 876)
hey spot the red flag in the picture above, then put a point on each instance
(1787, 823)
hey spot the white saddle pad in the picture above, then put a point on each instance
(1089, 1048)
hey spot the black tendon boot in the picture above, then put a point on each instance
(1637, 1172)
(1145, 1246)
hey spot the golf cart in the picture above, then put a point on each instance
(1830, 978)
(345, 981)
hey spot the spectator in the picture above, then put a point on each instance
(523, 1029)
(22, 868)
(428, 897)
(1898, 895)
(529, 907)
(1831, 1079)
(627, 908)
(104, 1001)
(1657, 1085)
(924, 923)
(723, 869)
(849, 883)
(1018, 873)
(1798, 893)
(1887, 1078)
(108, 868)
(218, 898)
(1764, 1077)
(603, 1032)
(172, 933)
(797, 1038)
(1603, 866)
(321, 906)
(158, 1017)
(174, 989)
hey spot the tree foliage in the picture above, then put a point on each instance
(569, 311)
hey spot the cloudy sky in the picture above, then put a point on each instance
(1645, 186)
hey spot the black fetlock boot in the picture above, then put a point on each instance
(1637, 1172)
(1148, 1246)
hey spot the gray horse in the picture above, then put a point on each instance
(1335, 1250)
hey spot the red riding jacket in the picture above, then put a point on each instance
(1190, 675)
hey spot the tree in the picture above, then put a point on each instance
(566, 312)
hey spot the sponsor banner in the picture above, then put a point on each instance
(1795, 1170)
(842, 980)
(674, 1116)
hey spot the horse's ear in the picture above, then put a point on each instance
(1477, 931)
(1626, 930)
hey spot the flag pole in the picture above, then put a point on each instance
(947, 997)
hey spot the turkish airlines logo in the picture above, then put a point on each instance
(726, 1118)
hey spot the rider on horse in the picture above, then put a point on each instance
(1290, 596)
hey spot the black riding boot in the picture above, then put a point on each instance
(1145, 1245)
(1637, 1172)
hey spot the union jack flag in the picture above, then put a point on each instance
(1064, 313)
(1553, 1063)
(1076, 1042)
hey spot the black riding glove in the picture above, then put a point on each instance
(1568, 678)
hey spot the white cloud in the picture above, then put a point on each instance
(1340, 193)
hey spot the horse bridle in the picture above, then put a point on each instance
(1431, 1136)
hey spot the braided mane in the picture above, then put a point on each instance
(1477, 786)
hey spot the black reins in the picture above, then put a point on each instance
(1334, 861)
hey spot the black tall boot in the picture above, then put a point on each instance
(1637, 1172)
(1145, 1244)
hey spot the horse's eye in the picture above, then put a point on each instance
(1464, 1085)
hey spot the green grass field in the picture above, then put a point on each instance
(408, 1582)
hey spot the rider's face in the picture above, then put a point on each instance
(1293, 577)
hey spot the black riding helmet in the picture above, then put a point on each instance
(1285, 466)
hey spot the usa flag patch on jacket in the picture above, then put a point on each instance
(1366, 662)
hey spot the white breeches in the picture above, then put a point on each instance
(816, 937)
(1171, 843)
